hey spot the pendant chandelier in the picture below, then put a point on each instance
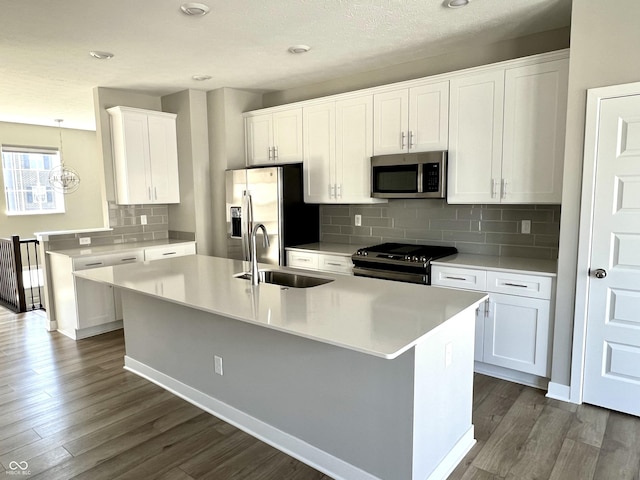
(63, 179)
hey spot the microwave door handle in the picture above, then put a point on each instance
(420, 178)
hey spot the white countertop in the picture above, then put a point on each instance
(89, 250)
(507, 264)
(329, 248)
(377, 317)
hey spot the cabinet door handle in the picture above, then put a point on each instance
(155, 193)
(149, 193)
(169, 253)
(493, 187)
(275, 153)
(130, 259)
(410, 139)
(269, 153)
(515, 285)
(402, 135)
(332, 190)
(504, 188)
(96, 264)
(333, 264)
(338, 190)
(303, 259)
(455, 278)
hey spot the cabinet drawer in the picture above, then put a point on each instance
(533, 286)
(128, 257)
(335, 263)
(455, 277)
(168, 251)
(303, 260)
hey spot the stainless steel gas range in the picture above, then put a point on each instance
(399, 261)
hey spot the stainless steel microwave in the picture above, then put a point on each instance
(409, 175)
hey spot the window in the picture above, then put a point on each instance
(26, 180)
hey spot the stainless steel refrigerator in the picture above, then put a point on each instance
(274, 197)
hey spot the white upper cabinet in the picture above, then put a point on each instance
(475, 138)
(411, 119)
(337, 151)
(535, 106)
(145, 154)
(274, 137)
(506, 134)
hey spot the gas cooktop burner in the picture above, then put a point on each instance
(399, 261)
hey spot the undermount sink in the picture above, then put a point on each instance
(286, 279)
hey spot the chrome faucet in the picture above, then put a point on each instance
(255, 278)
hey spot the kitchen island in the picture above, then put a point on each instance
(359, 378)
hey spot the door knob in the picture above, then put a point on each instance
(599, 273)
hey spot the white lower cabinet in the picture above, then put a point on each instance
(84, 308)
(516, 333)
(513, 325)
(320, 261)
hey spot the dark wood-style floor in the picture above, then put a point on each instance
(69, 410)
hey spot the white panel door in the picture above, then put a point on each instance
(354, 143)
(429, 117)
(319, 134)
(259, 131)
(163, 155)
(391, 122)
(475, 138)
(535, 106)
(287, 136)
(612, 355)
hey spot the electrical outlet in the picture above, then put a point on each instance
(526, 226)
(217, 364)
(448, 354)
(85, 240)
(358, 220)
(143, 219)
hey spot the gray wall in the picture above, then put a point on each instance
(192, 217)
(481, 229)
(602, 53)
(470, 56)
(226, 140)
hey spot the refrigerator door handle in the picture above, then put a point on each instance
(247, 224)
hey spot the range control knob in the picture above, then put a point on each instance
(407, 258)
(415, 259)
(423, 259)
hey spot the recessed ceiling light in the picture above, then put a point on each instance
(457, 3)
(201, 78)
(194, 9)
(299, 48)
(101, 55)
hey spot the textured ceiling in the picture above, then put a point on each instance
(46, 71)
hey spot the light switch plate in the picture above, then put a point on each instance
(526, 226)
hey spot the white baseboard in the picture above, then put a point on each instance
(453, 458)
(312, 456)
(558, 391)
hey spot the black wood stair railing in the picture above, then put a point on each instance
(12, 278)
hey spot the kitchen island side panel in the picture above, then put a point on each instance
(354, 406)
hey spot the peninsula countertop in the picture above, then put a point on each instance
(376, 317)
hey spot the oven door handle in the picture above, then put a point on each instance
(389, 275)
